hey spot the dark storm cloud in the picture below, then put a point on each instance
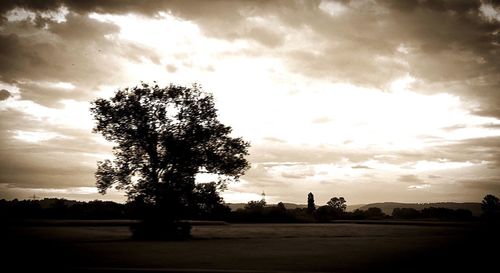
(440, 5)
(446, 45)
(75, 51)
(148, 7)
(447, 41)
(223, 19)
(35, 56)
(4, 94)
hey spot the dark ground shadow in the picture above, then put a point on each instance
(255, 248)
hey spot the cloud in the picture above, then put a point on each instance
(298, 172)
(171, 68)
(274, 139)
(413, 179)
(445, 46)
(262, 153)
(54, 67)
(79, 50)
(56, 162)
(40, 153)
(488, 185)
(439, 5)
(447, 43)
(51, 95)
(361, 167)
(265, 36)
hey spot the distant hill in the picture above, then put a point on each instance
(388, 207)
(354, 207)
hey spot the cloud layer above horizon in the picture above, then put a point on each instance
(373, 100)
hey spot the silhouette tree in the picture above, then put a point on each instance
(406, 213)
(490, 203)
(281, 206)
(164, 137)
(310, 203)
(374, 213)
(325, 214)
(338, 204)
(255, 205)
(334, 209)
(207, 203)
(491, 208)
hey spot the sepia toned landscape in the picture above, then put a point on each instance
(249, 136)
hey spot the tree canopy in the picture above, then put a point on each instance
(310, 202)
(491, 208)
(163, 138)
(338, 204)
(490, 203)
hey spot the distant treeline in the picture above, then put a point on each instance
(278, 213)
(52, 208)
(254, 211)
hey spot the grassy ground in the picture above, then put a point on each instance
(337, 247)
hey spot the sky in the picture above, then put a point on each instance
(372, 100)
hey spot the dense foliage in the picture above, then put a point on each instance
(164, 138)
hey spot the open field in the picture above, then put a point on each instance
(340, 247)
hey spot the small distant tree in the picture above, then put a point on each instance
(490, 203)
(334, 209)
(255, 206)
(338, 204)
(491, 207)
(281, 206)
(310, 203)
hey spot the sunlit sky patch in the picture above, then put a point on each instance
(371, 100)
